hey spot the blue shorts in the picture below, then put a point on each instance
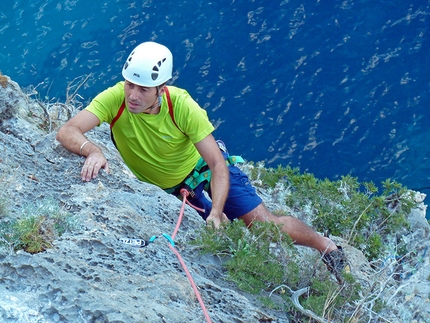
(242, 197)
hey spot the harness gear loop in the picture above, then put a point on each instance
(201, 173)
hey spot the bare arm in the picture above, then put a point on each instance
(71, 136)
(220, 179)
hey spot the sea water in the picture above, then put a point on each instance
(331, 87)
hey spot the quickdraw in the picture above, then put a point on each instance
(140, 243)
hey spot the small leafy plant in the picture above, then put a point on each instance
(328, 299)
(39, 224)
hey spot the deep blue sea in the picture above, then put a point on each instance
(332, 87)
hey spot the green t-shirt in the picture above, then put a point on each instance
(154, 149)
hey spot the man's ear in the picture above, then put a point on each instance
(161, 90)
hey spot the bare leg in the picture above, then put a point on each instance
(299, 232)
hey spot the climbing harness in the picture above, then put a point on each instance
(140, 243)
(201, 173)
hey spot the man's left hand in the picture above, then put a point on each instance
(216, 220)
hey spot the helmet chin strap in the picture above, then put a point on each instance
(158, 101)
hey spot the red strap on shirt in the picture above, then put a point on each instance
(169, 103)
(121, 109)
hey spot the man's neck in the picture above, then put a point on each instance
(153, 109)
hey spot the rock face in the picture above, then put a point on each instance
(91, 276)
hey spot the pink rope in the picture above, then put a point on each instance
(196, 291)
(176, 252)
(181, 214)
(195, 207)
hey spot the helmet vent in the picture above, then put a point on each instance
(155, 69)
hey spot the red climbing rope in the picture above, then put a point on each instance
(195, 207)
(184, 194)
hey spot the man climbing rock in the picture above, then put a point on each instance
(165, 138)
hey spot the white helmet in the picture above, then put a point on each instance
(149, 64)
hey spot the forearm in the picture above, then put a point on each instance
(75, 141)
(71, 136)
(220, 183)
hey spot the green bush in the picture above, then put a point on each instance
(345, 208)
(36, 227)
(33, 234)
(256, 259)
(328, 299)
(262, 259)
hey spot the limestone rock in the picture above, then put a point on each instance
(91, 276)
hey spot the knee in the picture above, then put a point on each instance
(260, 214)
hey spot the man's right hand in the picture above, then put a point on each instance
(71, 136)
(93, 163)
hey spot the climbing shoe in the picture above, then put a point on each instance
(222, 146)
(336, 263)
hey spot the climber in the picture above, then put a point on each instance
(162, 135)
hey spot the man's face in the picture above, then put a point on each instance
(139, 98)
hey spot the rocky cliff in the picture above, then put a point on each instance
(89, 275)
